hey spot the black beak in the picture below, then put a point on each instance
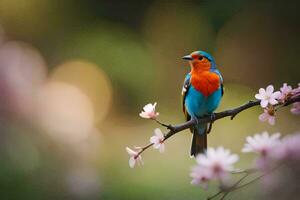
(188, 57)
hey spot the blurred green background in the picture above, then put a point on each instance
(101, 62)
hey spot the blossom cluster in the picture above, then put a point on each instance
(274, 152)
(270, 98)
(217, 164)
(157, 140)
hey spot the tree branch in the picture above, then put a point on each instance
(227, 113)
(173, 129)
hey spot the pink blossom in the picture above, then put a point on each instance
(158, 140)
(286, 91)
(135, 158)
(22, 72)
(219, 161)
(268, 115)
(267, 96)
(201, 176)
(262, 144)
(289, 148)
(149, 111)
(296, 108)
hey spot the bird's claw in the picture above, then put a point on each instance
(212, 119)
(209, 128)
(196, 120)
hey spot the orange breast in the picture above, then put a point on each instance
(205, 82)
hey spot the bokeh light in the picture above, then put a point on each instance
(91, 80)
(120, 54)
(65, 112)
(22, 71)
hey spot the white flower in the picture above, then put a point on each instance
(219, 161)
(268, 115)
(286, 91)
(134, 158)
(158, 140)
(261, 143)
(267, 96)
(149, 111)
(201, 176)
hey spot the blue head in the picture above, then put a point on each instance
(201, 58)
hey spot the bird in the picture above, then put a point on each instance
(202, 92)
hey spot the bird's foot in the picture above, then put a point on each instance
(212, 119)
(196, 120)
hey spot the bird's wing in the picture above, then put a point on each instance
(185, 88)
(221, 79)
(222, 89)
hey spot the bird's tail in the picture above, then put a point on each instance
(199, 141)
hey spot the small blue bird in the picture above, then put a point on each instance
(201, 94)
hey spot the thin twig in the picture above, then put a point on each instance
(215, 195)
(142, 149)
(225, 194)
(226, 191)
(237, 186)
(241, 171)
(162, 124)
(248, 183)
(257, 178)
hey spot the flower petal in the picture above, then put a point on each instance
(263, 117)
(270, 89)
(162, 148)
(262, 91)
(264, 103)
(233, 158)
(259, 96)
(262, 143)
(144, 115)
(139, 161)
(275, 136)
(271, 120)
(131, 152)
(154, 139)
(158, 133)
(273, 101)
(156, 145)
(132, 162)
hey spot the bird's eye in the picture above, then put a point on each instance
(200, 58)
